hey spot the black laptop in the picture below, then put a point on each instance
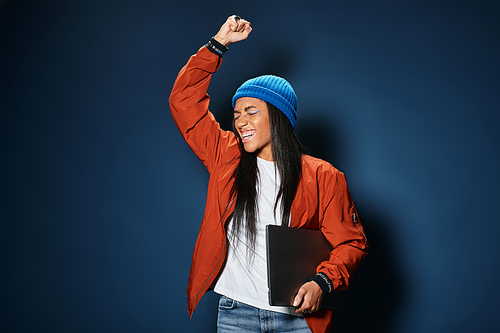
(292, 257)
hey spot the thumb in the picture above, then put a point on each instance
(298, 298)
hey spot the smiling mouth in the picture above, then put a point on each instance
(248, 135)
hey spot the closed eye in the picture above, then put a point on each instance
(237, 114)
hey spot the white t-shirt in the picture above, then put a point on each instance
(244, 278)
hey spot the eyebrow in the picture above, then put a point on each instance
(247, 108)
(250, 107)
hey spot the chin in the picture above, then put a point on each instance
(250, 150)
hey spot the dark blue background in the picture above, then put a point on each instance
(101, 200)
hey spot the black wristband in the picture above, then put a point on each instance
(323, 282)
(216, 47)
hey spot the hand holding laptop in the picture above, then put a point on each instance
(309, 298)
(292, 257)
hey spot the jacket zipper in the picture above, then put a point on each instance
(355, 219)
(218, 261)
(215, 269)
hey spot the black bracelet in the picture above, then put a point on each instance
(216, 47)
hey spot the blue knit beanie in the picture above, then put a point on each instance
(271, 89)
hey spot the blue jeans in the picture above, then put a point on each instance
(235, 316)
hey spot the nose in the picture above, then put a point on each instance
(241, 121)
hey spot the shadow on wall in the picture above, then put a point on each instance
(319, 140)
(377, 288)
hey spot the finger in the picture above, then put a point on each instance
(245, 26)
(233, 21)
(245, 22)
(244, 30)
(248, 29)
(238, 24)
(302, 309)
(306, 306)
(298, 298)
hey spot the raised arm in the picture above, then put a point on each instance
(189, 101)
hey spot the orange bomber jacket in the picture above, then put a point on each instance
(322, 201)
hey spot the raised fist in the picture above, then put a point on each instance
(233, 30)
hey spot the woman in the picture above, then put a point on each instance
(260, 175)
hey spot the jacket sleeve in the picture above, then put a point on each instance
(341, 226)
(189, 103)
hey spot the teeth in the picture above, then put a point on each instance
(247, 135)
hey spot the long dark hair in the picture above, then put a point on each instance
(287, 151)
